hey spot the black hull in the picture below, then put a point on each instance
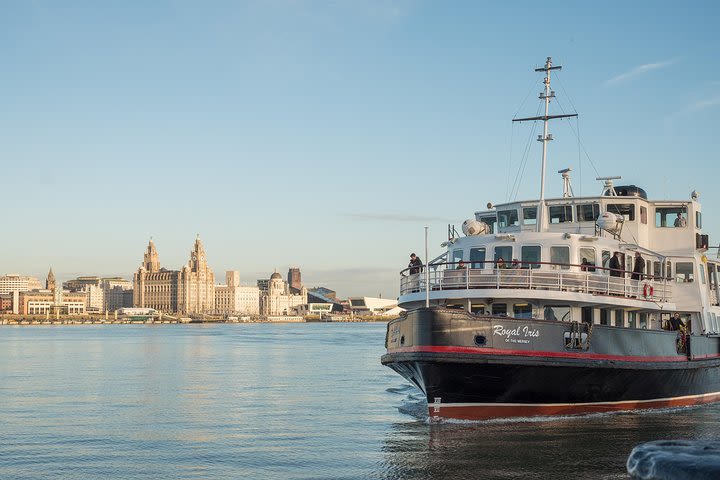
(621, 369)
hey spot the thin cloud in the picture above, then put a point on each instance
(639, 70)
(702, 105)
(394, 217)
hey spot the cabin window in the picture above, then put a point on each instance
(701, 270)
(587, 314)
(530, 256)
(684, 272)
(671, 217)
(643, 320)
(627, 210)
(530, 215)
(477, 258)
(490, 220)
(606, 255)
(560, 257)
(619, 317)
(504, 254)
(657, 270)
(522, 310)
(499, 309)
(587, 259)
(507, 218)
(605, 316)
(643, 215)
(557, 313)
(457, 257)
(668, 270)
(588, 212)
(477, 308)
(631, 319)
(560, 213)
(698, 219)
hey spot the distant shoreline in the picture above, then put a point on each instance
(26, 321)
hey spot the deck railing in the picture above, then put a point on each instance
(537, 276)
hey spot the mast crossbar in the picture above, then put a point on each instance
(544, 117)
(546, 68)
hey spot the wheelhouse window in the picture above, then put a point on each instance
(477, 258)
(522, 310)
(560, 257)
(627, 210)
(643, 215)
(671, 217)
(698, 219)
(560, 313)
(530, 256)
(490, 220)
(530, 215)
(507, 218)
(684, 272)
(588, 212)
(701, 270)
(560, 213)
(504, 254)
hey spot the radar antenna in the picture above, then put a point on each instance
(608, 188)
(545, 137)
(567, 187)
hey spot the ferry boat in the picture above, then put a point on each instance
(543, 307)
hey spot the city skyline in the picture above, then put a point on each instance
(327, 135)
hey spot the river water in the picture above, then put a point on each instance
(272, 401)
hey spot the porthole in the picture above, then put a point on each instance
(480, 340)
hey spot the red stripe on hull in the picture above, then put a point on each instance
(489, 411)
(531, 353)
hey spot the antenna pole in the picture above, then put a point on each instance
(427, 272)
(545, 137)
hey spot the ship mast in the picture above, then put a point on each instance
(545, 137)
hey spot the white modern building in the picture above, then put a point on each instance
(235, 299)
(374, 306)
(13, 282)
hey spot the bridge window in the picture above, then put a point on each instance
(522, 310)
(627, 210)
(530, 256)
(560, 257)
(530, 215)
(560, 213)
(507, 218)
(702, 274)
(560, 313)
(477, 258)
(698, 219)
(671, 217)
(490, 220)
(643, 215)
(684, 272)
(588, 212)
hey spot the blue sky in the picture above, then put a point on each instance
(327, 134)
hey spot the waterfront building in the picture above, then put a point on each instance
(190, 290)
(233, 298)
(323, 292)
(95, 298)
(263, 284)
(279, 300)
(107, 293)
(79, 283)
(6, 302)
(21, 283)
(118, 293)
(293, 278)
(50, 300)
(373, 306)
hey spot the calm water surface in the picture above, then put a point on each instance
(271, 401)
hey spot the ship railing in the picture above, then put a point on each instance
(552, 276)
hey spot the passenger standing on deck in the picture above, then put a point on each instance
(614, 266)
(639, 268)
(415, 264)
(676, 323)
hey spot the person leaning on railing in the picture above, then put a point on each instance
(614, 266)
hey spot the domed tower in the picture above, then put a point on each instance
(277, 285)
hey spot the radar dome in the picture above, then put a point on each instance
(610, 222)
(474, 227)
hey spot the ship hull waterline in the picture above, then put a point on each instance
(525, 369)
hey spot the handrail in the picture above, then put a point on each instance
(521, 275)
(511, 265)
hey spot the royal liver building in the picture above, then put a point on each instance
(187, 291)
